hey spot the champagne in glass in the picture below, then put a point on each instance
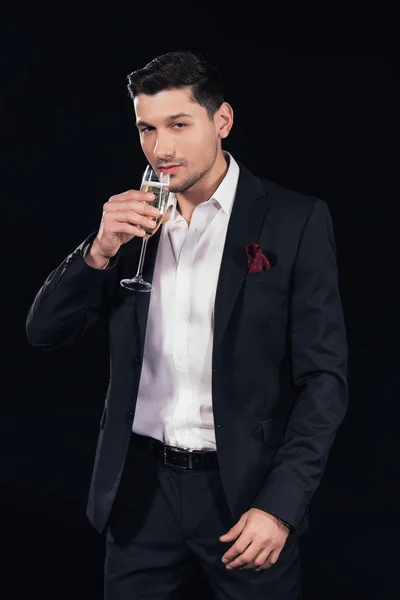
(161, 193)
(159, 186)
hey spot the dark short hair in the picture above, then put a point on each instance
(175, 70)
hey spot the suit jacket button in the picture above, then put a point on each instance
(131, 414)
(138, 360)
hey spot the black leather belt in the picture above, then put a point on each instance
(177, 457)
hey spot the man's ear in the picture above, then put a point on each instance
(224, 120)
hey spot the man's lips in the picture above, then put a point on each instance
(169, 169)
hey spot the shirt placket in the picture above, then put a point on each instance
(185, 262)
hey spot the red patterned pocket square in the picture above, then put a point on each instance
(256, 259)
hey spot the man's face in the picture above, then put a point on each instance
(177, 133)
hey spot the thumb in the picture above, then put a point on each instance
(236, 530)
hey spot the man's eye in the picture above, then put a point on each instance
(146, 129)
(180, 125)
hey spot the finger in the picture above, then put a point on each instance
(238, 548)
(235, 531)
(130, 218)
(141, 208)
(245, 558)
(270, 560)
(135, 195)
(126, 228)
(258, 560)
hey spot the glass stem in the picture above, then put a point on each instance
(141, 259)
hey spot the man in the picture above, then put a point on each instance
(228, 381)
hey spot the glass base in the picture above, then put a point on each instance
(137, 284)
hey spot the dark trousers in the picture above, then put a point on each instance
(165, 522)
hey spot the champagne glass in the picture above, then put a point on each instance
(159, 186)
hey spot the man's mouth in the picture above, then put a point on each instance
(170, 169)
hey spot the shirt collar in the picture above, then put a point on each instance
(223, 196)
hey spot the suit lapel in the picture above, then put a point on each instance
(143, 298)
(245, 225)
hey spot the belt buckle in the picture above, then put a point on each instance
(168, 464)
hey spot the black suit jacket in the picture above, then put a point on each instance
(279, 383)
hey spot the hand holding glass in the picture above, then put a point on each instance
(159, 186)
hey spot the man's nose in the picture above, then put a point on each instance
(163, 148)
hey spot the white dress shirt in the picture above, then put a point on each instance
(174, 402)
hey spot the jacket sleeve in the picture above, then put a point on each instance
(319, 372)
(72, 298)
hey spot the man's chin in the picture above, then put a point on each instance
(177, 189)
(180, 187)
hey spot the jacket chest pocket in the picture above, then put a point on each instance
(263, 277)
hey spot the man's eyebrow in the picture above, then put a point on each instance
(179, 116)
(168, 119)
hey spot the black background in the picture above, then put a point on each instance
(327, 125)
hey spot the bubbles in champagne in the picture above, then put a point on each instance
(161, 193)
